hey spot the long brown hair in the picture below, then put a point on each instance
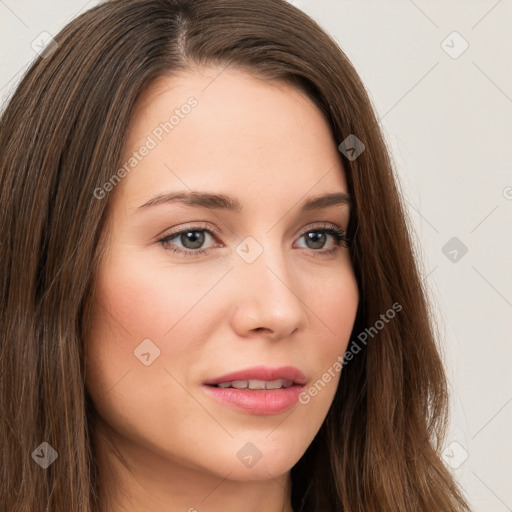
(62, 136)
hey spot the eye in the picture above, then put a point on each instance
(316, 239)
(193, 238)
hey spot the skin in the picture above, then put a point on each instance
(163, 444)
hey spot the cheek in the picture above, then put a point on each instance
(144, 338)
(137, 300)
(149, 321)
(333, 306)
(132, 311)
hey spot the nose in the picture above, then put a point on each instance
(267, 298)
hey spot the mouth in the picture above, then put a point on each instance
(260, 390)
(283, 376)
(255, 384)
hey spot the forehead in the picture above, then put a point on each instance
(243, 133)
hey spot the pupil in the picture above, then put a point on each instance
(196, 238)
(315, 237)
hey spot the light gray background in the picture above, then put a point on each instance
(448, 122)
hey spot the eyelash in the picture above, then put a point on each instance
(339, 235)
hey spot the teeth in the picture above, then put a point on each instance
(275, 384)
(257, 384)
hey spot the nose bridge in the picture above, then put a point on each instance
(262, 261)
(268, 295)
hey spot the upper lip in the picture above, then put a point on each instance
(262, 373)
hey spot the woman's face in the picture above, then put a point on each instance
(267, 285)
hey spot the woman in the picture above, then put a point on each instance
(209, 294)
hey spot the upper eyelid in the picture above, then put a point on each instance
(204, 227)
(216, 232)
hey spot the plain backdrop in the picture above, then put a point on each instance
(440, 79)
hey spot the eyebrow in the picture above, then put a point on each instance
(224, 202)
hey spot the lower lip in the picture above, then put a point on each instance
(257, 401)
